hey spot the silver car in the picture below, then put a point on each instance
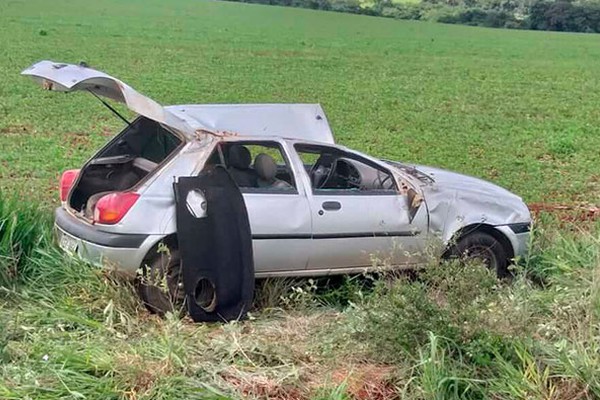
(207, 197)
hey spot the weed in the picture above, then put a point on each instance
(562, 145)
(23, 230)
(338, 392)
(439, 376)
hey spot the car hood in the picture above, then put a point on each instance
(62, 77)
(448, 180)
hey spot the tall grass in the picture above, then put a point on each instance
(69, 330)
(23, 230)
(469, 336)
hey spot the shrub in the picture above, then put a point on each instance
(565, 16)
(542, 15)
(398, 319)
(479, 17)
(439, 13)
(403, 11)
(446, 300)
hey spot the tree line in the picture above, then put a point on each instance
(557, 15)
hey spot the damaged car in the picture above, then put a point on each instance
(201, 199)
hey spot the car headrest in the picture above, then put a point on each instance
(239, 157)
(265, 167)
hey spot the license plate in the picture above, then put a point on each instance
(67, 243)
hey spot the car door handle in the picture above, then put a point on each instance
(331, 205)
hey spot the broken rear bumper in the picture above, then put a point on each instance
(124, 252)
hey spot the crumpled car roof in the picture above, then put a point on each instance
(292, 121)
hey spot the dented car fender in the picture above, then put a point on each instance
(455, 201)
(451, 212)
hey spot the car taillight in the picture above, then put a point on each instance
(111, 208)
(66, 182)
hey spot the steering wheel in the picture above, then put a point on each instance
(345, 175)
(382, 182)
(320, 173)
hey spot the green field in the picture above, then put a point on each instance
(519, 108)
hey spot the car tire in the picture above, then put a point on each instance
(483, 246)
(161, 284)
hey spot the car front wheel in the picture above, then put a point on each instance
(161, 284)
(485, 248)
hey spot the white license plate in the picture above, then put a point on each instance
(67, 243)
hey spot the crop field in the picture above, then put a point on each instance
(518, 108)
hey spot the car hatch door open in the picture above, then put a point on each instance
(63, 77)
(215, 243)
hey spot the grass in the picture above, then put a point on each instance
(452, 332)
(517, 108)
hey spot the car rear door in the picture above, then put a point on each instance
(215, 246)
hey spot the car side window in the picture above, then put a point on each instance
(333, 171)
(256, 167)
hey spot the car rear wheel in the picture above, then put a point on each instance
(485, 248)
(161, 284)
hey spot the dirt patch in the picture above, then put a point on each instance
(16, 129)
(141, 374)
(77, 139)
(107, 132)
(367, 382)
(567, 388)
(263, 387)
(566, 212)
(360, 382)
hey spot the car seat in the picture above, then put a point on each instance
(265, 167)
(238, 165)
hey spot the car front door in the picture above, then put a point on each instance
(359, 216)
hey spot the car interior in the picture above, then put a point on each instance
(262, 166)
(255, 166)
(332, 169)
(131, 156)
